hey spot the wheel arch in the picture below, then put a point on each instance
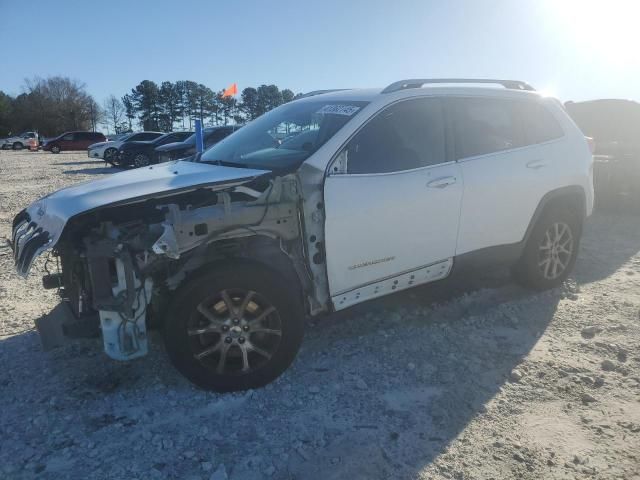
(572, 196)
(259, 251)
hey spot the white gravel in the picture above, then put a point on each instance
(445, 381)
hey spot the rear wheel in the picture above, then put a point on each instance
(55, 149)
(233, 329)
(18, 146)
(140, 160)
(551, 251)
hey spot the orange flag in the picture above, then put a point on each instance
(230, 91)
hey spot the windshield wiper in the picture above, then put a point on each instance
(224, 163)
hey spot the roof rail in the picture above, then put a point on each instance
(320, 92)
(419, 82)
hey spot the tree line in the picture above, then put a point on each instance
(172, 105)
(57, 104)
(49, 106)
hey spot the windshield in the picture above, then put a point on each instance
(284, 137)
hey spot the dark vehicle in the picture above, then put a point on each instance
(73, 141)
(140, 154)
(109, 150)
(615, 127)
(211, 136)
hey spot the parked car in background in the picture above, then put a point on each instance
(117, 136)
(140, 154)
(380, 191)
(19, 141)
(32, 144)
(108, 151)
(72, 141)
(615, 127)
(177, 150)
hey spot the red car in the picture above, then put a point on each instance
(73, 141)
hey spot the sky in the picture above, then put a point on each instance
(571, 49)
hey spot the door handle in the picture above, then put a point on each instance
(442, 182)
(537, 164)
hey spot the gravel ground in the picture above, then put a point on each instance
(470, 378)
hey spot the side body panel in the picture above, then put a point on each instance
(381, 225)
(503, 190)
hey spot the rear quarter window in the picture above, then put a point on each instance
(538, 124)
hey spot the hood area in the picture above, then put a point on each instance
(40, 226)
(101, 144)
(136, 144)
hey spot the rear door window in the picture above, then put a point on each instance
(141, 137)
(182, 136)
(483, 126)
(538, 123)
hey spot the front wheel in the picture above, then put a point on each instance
(55, 149)
(233, 329)
(110, 155)
(18, 146)
(551, 250)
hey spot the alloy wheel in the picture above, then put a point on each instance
(109, 155)
(141, 160)
(234, 332)
(556, 250)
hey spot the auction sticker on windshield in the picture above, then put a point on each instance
(347, 110)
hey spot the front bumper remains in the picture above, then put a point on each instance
(27, 240)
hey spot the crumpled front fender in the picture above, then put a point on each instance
(40, 226)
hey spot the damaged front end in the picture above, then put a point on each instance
(123, 244)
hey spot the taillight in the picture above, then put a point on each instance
(592, 144)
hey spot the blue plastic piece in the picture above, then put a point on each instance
(199, 140)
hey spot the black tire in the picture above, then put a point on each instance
(184, 321)
(18, 146)
(545, 262)
(55, 149)
(141, 160)
(110, 155)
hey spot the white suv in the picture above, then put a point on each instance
(325, 202)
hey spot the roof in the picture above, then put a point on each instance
(375, 94)
(417, 86)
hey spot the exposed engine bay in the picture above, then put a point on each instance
(118, 264)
